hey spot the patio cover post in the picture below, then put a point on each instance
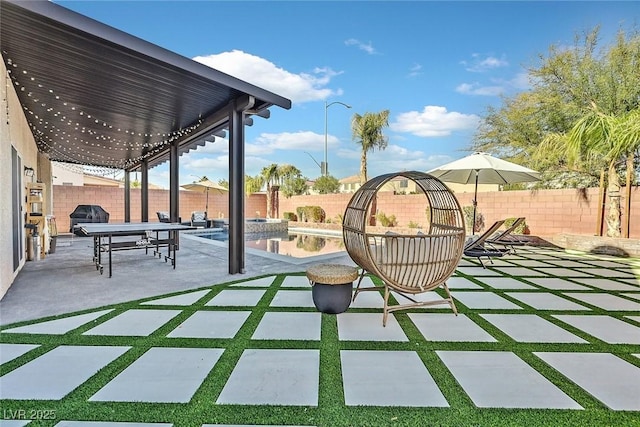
(236, 187)
(174, 177)
(127, 195)
(144, 191)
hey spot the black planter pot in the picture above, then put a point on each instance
(332, 299)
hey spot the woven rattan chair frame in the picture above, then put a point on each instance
(407, 264)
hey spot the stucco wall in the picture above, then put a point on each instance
(14, 132)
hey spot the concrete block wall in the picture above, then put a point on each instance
(547, 212)
(66, 198)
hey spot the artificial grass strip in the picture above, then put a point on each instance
(331, 409)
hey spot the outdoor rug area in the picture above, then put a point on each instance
(544, 337)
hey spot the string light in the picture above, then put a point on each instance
(70, 141)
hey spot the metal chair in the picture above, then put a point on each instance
(199, 219)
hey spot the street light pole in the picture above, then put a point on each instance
(326, 107)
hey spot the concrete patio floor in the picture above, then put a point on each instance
(539, 329)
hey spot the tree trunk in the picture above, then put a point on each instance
(363, 167)
(613, 216)
(275, 202)
(269, 203)
(627, 199)
(601, 196)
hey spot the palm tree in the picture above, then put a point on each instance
(367, 131)
(610, 139)
(270, 175)
(252, 184)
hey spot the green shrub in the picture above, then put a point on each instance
(386, 221)
(468, 219)
(519, 229)
(311, 213)
(413, 224)
(290, 216)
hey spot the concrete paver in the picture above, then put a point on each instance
(606, 328)
(405, 381)
(274, 377)
(498, 379)
(183, 299)
(237, 298)
(506, 283)
(531, 328)
(134, 323)
(293, 299)
(289, 326)
(58, 326)
(606, 301)
(556, 283)
(211, 324)
(263, 282)
(368, 327)
(56, 373)
(9, 352)
(546, 301)
(449, 327)
(608, 378)
(161, 375)
(484, 300)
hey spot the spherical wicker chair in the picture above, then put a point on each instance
(408, 264)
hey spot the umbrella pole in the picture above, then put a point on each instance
(206, 207)
(475, 205)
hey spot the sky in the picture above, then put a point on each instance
(436, 66)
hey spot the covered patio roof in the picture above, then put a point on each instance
(94, 95)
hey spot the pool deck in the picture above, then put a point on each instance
(541, 329)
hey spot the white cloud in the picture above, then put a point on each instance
(415, 70)
(497, 86)
(367, 47)
(302, 87)
(433, 121)
(481, 64)
(477, 89)
(393, 159)
(267, 143)
(520, 81)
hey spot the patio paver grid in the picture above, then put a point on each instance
(527, 337)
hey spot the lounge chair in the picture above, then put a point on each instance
(199, 219)
(480, 247)
(507, 238)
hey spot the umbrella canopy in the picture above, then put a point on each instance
(482, 168)
(206, 186)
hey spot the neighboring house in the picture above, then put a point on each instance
(310, 191)
(75, 175)
(399, 185)
(402, 185)
(349, 184)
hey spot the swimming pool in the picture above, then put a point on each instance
(294, 244)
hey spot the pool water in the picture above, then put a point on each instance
(293, 244)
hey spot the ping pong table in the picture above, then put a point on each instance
(147, 237)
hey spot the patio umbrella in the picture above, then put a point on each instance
(482, 168)
(206, 186)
